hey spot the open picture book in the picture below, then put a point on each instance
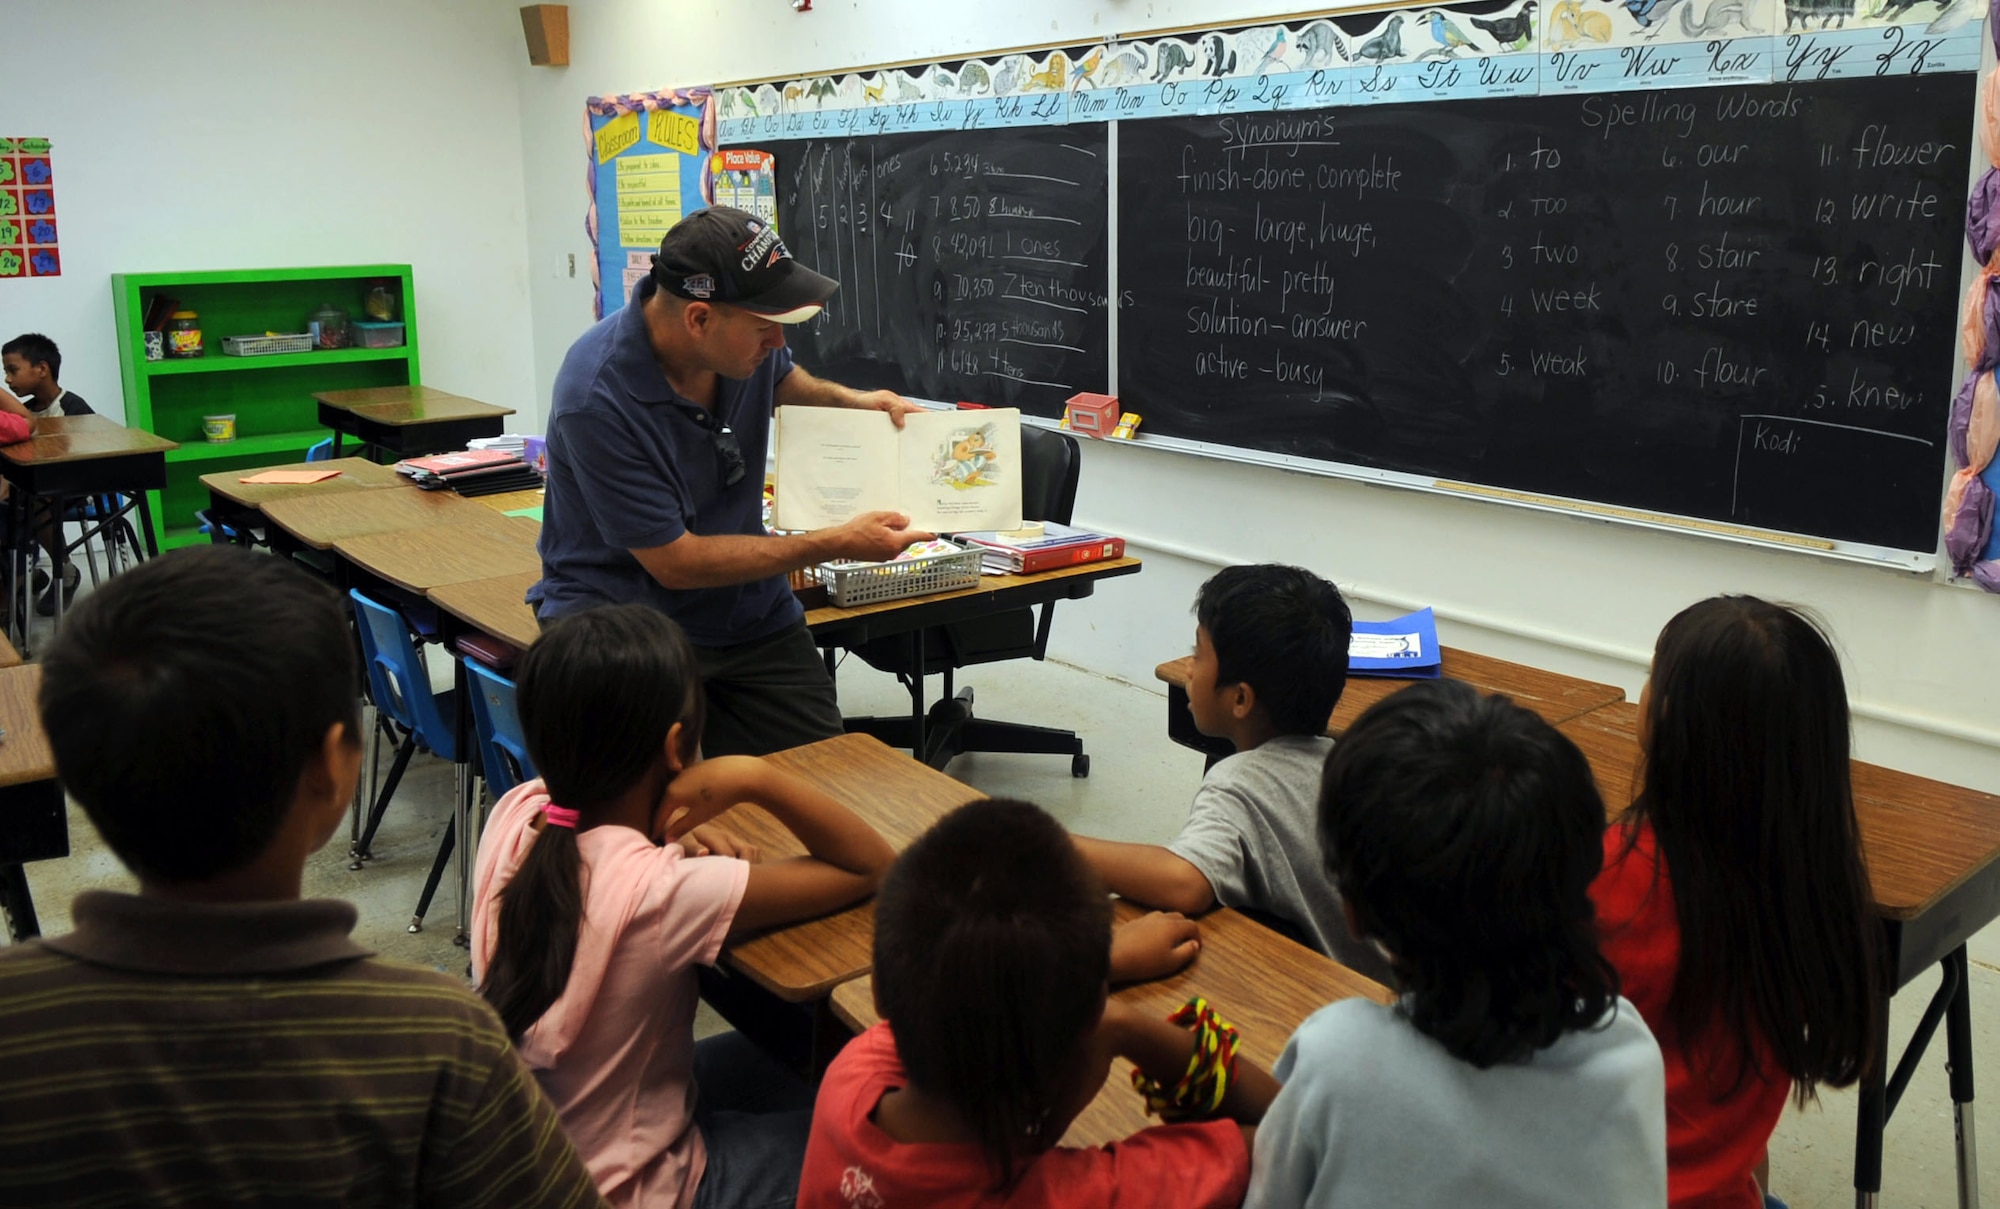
(949, 471)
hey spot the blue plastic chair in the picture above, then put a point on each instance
(401, 689)
(321, 452)
(503, 747)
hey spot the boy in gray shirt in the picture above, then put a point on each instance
(1465, 833)
(1270, 662)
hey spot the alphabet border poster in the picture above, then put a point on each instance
(29, 246)
(649, 167)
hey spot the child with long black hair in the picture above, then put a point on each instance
(1733, 898)
(1463, 833)
(587, 926)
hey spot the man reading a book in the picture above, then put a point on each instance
(656, 440)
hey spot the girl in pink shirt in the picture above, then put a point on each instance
(598, 891)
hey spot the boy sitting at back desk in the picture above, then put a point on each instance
(1270, 662)
(33, 364)
(214, 1038)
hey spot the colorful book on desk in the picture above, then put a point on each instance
(1058, 546)
(1406, 648)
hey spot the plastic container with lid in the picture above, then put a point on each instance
(328, 326)
(377, 335)
(184, 335)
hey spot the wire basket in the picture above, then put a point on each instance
(850, 583)
(265, 346)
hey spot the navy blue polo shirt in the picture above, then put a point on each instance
(633, 465)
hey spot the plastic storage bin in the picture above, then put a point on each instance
(851, 583)
(376, 335)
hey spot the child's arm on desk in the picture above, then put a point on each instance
(1160, 1051)
(847, 858)
(1148, 873)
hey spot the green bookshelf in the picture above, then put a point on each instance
(271, 397)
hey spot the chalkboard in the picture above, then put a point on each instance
(1729, 303)
(972, 265)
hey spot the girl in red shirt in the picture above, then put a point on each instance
(1733, 899)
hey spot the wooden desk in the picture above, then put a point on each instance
(1555, 697)
(833, 626)
(894, 794)
(499, 611)
(1259, 981)
(318, 521)
(512, 501)
(418, 560)
(70, 457)
(408, 421)
(1933, 857)
(496, 607)
(33, 823)
(9, 657)
(356, 474)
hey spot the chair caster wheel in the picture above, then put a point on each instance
(416, 923)
(1079, 766)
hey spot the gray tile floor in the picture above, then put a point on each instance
(1138, 790)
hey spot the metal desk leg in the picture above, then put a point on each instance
(1958, 1064)
(917, 737)
(146, 524)
(467, 840)
(16, 904)
(59, 562)
(1873, 1116)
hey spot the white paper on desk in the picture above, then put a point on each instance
(949, 471)
(1386, 646)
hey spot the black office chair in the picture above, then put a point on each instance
(1050, 466)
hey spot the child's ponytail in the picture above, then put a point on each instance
(599, 697)
(541, 913)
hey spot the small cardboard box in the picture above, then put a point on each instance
(1092, 415)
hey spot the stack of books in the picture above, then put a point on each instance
(474, 472)
(1027, 551)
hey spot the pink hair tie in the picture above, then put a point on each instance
(559, 816)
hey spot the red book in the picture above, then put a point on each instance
(1100, 549)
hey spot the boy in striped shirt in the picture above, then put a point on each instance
(214, 1039)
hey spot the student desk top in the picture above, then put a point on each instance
(433, 556)
(356, 474)
(34, 825)
(319, 521)
(892, 793)
(65, 440)
(72, 456)
(408, 421)
(1263, 983)
(1933, 857)
(1555, 697)
(496, 607)
(9, 657)
(1925, 841)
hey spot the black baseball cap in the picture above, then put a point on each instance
(721, 254)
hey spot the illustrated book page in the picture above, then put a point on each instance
(948, 471)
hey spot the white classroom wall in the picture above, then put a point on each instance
(227, 135)
(1579, 596)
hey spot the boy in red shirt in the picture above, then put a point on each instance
(992, 959)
